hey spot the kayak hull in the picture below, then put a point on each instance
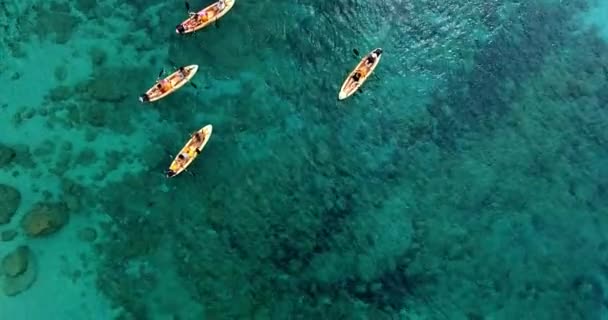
(210, 14)
(176, 81)
(350, 86)
(190, 151)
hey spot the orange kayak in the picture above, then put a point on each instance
(190, 151)
(170, 84)
(358, 76)
(205, 17)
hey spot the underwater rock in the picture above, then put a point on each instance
(9, 202)
(61, 73)
(15, 263)
(8, 235)
(21, 273)
(104, 88)
(45, 218)
(98, 56)
(87, 234)
(59, 94)
(7, 154)
(60, 23)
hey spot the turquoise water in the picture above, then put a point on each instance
(466, 181)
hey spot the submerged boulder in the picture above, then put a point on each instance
(8, 235)
(9, 202)
(45, 218)
(20, 270)
(104, 88)
(15, 263)
(7, 154)
(87, 234)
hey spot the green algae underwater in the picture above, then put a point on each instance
(467, 181)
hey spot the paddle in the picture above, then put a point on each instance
(356, 52)
(190, 12)
(194, 85)
(160, 74)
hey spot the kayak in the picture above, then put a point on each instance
(205, 17)
(351, 85)
(170, 84)
(190, 151)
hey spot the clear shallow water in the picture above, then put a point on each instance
(466, 182)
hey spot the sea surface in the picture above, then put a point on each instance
(468, 180)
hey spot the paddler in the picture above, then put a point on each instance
(211, 13)
(164, 85)
(221, 5)
(359, 74)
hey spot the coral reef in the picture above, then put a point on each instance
(16, 262)
(7, 155)
(45, 219)
(20, 271)
(8, 235)
(87, 234)
(56, 19)
(10, 199)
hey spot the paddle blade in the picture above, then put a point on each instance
(356, 52)
(187, 6)
(194, 85)
(160, 74)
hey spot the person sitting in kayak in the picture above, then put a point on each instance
(206, 16)
(202, 17)
(371, 59)
(183, 156)
(197, 137)
(212, 12)
(359, 74)
(183, 73)
(164, 85)
(221, 5)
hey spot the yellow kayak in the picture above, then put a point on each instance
(170, 84)
(205, 17)
(190, 151)
(357, 77)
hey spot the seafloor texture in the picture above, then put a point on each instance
(467, 181)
